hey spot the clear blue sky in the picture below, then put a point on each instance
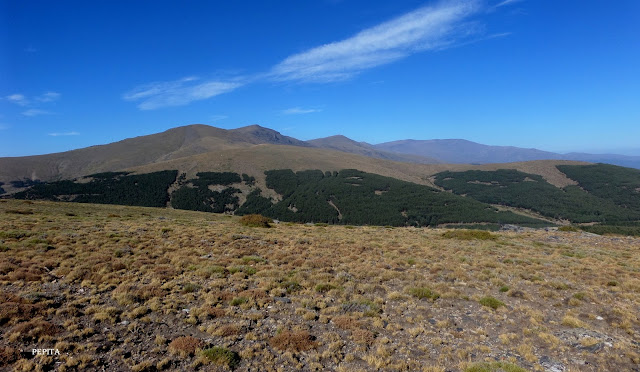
(555, 75)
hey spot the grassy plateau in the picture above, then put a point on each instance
(144, 289)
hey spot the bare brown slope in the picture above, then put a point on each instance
(123, 154)
(250, 150)
(256, 159)
(172, 144)
(259, 158)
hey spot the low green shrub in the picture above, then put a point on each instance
(423, 292)
(491, 302)
(222, 356)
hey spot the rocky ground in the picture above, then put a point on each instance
(120, 288)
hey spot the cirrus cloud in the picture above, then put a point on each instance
(36, 112)
(18, 99)
(178, 92)
(434, 27)
(427, 28)
(60, 134)
(298, 111)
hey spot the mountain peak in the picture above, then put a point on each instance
(254, 127)
(257, 134)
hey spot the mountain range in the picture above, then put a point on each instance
(335, 180)
(254, 149)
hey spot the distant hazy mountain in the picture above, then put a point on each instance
(622, 160)
(467, 152)
(344, 144)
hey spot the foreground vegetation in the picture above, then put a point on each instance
(121, 288)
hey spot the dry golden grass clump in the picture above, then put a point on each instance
(8, 355)
(33, 330)
(127, 288)
(293, 341)
(469, 235)
(255, 220)
(185, 345)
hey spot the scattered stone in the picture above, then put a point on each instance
(574, 337)
(551, 365)
(286, 300)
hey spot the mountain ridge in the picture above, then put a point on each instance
(188, 145)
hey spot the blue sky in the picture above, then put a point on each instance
(555, 75)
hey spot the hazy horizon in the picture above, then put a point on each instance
(559, 77)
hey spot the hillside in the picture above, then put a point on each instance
(194, 147)
(139, 151)
(528, 191)
(344, 197)
(359, 198)
(132, 288)
(255, 152)
(603, 194)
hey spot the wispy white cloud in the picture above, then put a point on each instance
(36, 112)
(218, 117)
(178, 92)
(298, 111)
(507, 2)
(435, 27)
(22, 100)
(18, 99)
(48, 97)
(64, 134)
(427, 28)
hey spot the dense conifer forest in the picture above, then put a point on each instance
(608, 195)
(355, 197)
(145, 190)
(522, 190)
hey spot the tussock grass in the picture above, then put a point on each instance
(163, 286)
(463, 234)
(185, 345)
(423, 292)
(255, 220)
(293, 341)
(494, 367)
